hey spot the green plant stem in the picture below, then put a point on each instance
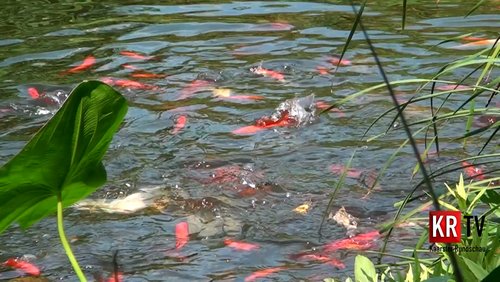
(65, 243)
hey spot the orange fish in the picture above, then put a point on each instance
(336, 60)
(264, 123)
(33, 92)
(281, 26)
(268, 73)
(359, 242)
(352, 172)
(337, 263)
(134, 55)
(452, 87)
(115, 278)
(479, 43)
(247, 130)
(473, 171)
(472, 38)
(88, 62)
(323, 105)
(181, 234)
(126, 83)
(195, 86)
(263, 273)
(240, 246)
(130, 67)
(144, 74)
(180, 124)
(23, 266)
(322, 70)
(244, 97)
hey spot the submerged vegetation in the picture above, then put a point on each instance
(64, 161)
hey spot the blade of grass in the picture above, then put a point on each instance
(337, 187)
(478, 4)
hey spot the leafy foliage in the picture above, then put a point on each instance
(63, 161)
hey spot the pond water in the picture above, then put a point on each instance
(204, 173)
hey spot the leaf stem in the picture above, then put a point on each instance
(65, 243)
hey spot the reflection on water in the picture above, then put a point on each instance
(177, 134)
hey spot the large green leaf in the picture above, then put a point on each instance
(63, 160)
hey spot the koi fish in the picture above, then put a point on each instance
(240, 246)
(135, 55)
(268, 73)
(473, 171)
(264, 123)
(359, 242)
(195, 86)
(263, 273)
(351, 172)
(126, 83)
(337, 263)
(181, 234)
(323, 105)
(115, 278)
(322, 70)
(336, 60)
(281, 26)
(319, 257)
(33, 92)
(180, 124)
(453, 87)
(23, 266)
(88, 62)
(479, 43)
(144, 74)
(485, 120)
(227, 94)
(130, 67)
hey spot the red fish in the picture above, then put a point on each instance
(180, 124)
(452, 87)
(323, 105)
(126, 83)
(147, 75)
(263, 273)
(336, 60)
(268, 73)
(244, 97)
(181, 234)
(352, 172)
(360, 242)
(135, 55)
(130, 67)
(240, 246)
(115, 278)
(479, 43)
(23, 266)
(281, 26)
(88, 62)
(473, 171)
(472, 38)
(33, 92)
(265, 122)
(337, 263)
(195, 86)
(322, 70)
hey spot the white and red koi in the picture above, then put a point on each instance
(24, 266)
(195, 86)
(472, 171)
(351, 172)
(268, 73)
(336, 61)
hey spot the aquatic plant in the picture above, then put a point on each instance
(478, 85)
(62, 163)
